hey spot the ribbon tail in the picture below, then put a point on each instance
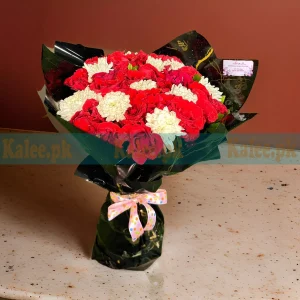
(151, 217)
(117, 208)
(135, 226)
(157, 198)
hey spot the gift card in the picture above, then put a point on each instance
(238, 67)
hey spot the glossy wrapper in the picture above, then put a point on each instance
(114, 247)
(117, 172)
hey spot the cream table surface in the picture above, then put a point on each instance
(228, 235)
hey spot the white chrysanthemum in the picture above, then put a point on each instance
(174, 64)
(143, 85)
(160, 64)
(70, 105)
(166, 124)
(213, 90)
(156, 62)
(101, 66)
(113, 106)
(182, 91)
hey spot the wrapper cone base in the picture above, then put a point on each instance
(114, 247)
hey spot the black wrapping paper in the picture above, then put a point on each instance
(194, 50)
(76, 54)
(113, 245)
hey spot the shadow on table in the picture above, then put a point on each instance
(51, 202)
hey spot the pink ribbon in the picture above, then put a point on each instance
(130, 201)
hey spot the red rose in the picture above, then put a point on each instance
(183, 75)
(82, 121)
(138, 59)
(144, 72)
(137, 112)
(78, 81)
(117, 58)
(143, 144)
(104, 90)
(150, 72)
(90, 106)
(108, 82)
(109, 132)
(111, 75)
(209, 111)
(219, 106)
(155, 100)
(95, 115)
(190, 114)
(134, 75)
(190, 70)
(131, 130)
(120, 63)
(98, 84)
(198, 88)
(87, 117)
(165, 57)
(164, 84)
(92, 60)
(201, 92)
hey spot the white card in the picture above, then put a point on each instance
(238, 67)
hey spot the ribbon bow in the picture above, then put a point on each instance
(125, 202)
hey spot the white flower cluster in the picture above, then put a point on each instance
(112, 106)
(101, 66)
(213, 90)
(160, 64)
(143, 85)
(70, 105)
(166, 124)
(182, 91)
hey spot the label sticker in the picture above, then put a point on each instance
(238, 67)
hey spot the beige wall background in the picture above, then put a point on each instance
(264, 30)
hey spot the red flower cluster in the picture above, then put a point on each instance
(124, 69)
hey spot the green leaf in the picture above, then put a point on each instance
(131, 67)
(197, 77)
(223, 98)
(220, 117)
(216, 128)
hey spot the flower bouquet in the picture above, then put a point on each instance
(140, 117)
